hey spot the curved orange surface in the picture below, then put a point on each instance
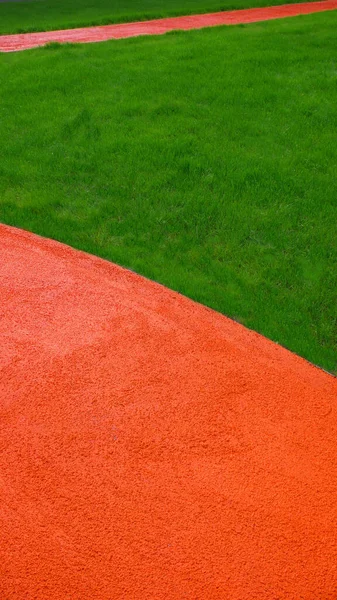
(12, 43)
(151, 448)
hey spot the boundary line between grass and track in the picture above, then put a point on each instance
(84, 35)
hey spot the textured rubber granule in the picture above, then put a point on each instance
(151, 448)
(11, 43)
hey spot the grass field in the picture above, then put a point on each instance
(204, 160)
(44, 15)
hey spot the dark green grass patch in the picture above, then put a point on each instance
(45, 15)
(204, 160)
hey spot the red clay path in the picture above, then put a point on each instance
(151, 448)
(12, 43)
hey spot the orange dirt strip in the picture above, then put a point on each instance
(151, 448)
(12, 43)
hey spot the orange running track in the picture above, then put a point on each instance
(12, 43)
(151, 448)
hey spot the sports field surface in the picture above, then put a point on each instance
(152, 448)
(44, 15)
(17, 42)
(204, 160)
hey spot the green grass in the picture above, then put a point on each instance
(204, 160)
(44, 15)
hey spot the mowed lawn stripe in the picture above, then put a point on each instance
(205, 161)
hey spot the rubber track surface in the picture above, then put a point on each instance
(153, 448)
(11, 43)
